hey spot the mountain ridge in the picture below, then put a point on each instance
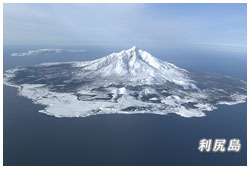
(138, 66)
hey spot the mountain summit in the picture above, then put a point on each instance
(136, 66)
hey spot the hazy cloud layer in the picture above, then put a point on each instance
(219, 26)
(45, 51)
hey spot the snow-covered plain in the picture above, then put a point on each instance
(131, 81)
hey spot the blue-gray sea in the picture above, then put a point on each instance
(33, 138)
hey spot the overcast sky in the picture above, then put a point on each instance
(211, 26)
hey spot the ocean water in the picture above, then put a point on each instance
(33, 138)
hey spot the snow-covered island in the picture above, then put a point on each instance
(128, 82)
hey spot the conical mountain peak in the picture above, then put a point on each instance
(134, 48)
(135, 65)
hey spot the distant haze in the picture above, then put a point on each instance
(192, 26)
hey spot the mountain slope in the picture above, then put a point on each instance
(135, 65)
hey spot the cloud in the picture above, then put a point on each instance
(123, 25)
(45, 51)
